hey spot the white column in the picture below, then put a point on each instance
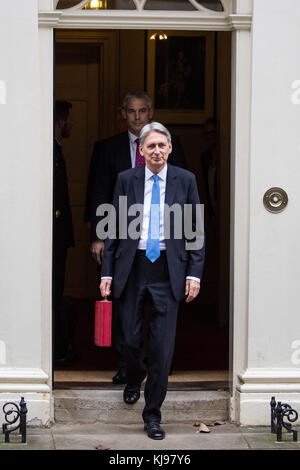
(271, 360)
(46, 62)
(24, 363)
(240, 188)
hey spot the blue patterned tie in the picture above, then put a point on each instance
(152, 248)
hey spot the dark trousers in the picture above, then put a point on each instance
(117, 336)
(149, 281)
(59, 319)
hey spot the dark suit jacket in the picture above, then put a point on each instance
(63, 225)
(98, 153)
(113, 156)
(181, 188)
(205, 163)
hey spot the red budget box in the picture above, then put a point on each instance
(103, 320)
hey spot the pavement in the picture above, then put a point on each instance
(132, 437)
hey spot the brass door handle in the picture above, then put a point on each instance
(275, 200)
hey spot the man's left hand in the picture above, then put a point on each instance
(192, 289)
(104, 287)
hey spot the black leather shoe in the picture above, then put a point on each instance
(131, 394)
(120, 378)
(154, 430)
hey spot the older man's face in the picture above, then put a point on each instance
(156, 150)
(137, 115)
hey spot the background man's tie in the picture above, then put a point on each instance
(152, 247)
(139, 159)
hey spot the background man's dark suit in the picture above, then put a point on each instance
(205, 164)
(98, 152)
(63, 238)
(135, 278)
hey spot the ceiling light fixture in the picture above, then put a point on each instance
(96, 5)
(161, 36)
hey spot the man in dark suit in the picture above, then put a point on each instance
(63, 237)
(111, 156)
(154, 263)
(209, 163)
(98, 151)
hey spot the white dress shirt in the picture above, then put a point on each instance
(162, 178)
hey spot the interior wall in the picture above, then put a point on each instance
(132, 60)
(132, 47)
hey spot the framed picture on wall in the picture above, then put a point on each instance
(180, 76)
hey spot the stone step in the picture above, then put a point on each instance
(107, 406)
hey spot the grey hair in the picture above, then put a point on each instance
(140, 95)
(154, 126)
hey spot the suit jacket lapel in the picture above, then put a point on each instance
(171, 185)
(139, 184)
(123, 156)
(127, 154)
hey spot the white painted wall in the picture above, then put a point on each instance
(274, 250)
(21, 187)
(274, 303)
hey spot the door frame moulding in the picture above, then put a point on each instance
(203, 19)
(139, 4)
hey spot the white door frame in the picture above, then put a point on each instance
(237, 18)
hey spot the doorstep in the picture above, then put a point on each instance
(107, 406)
